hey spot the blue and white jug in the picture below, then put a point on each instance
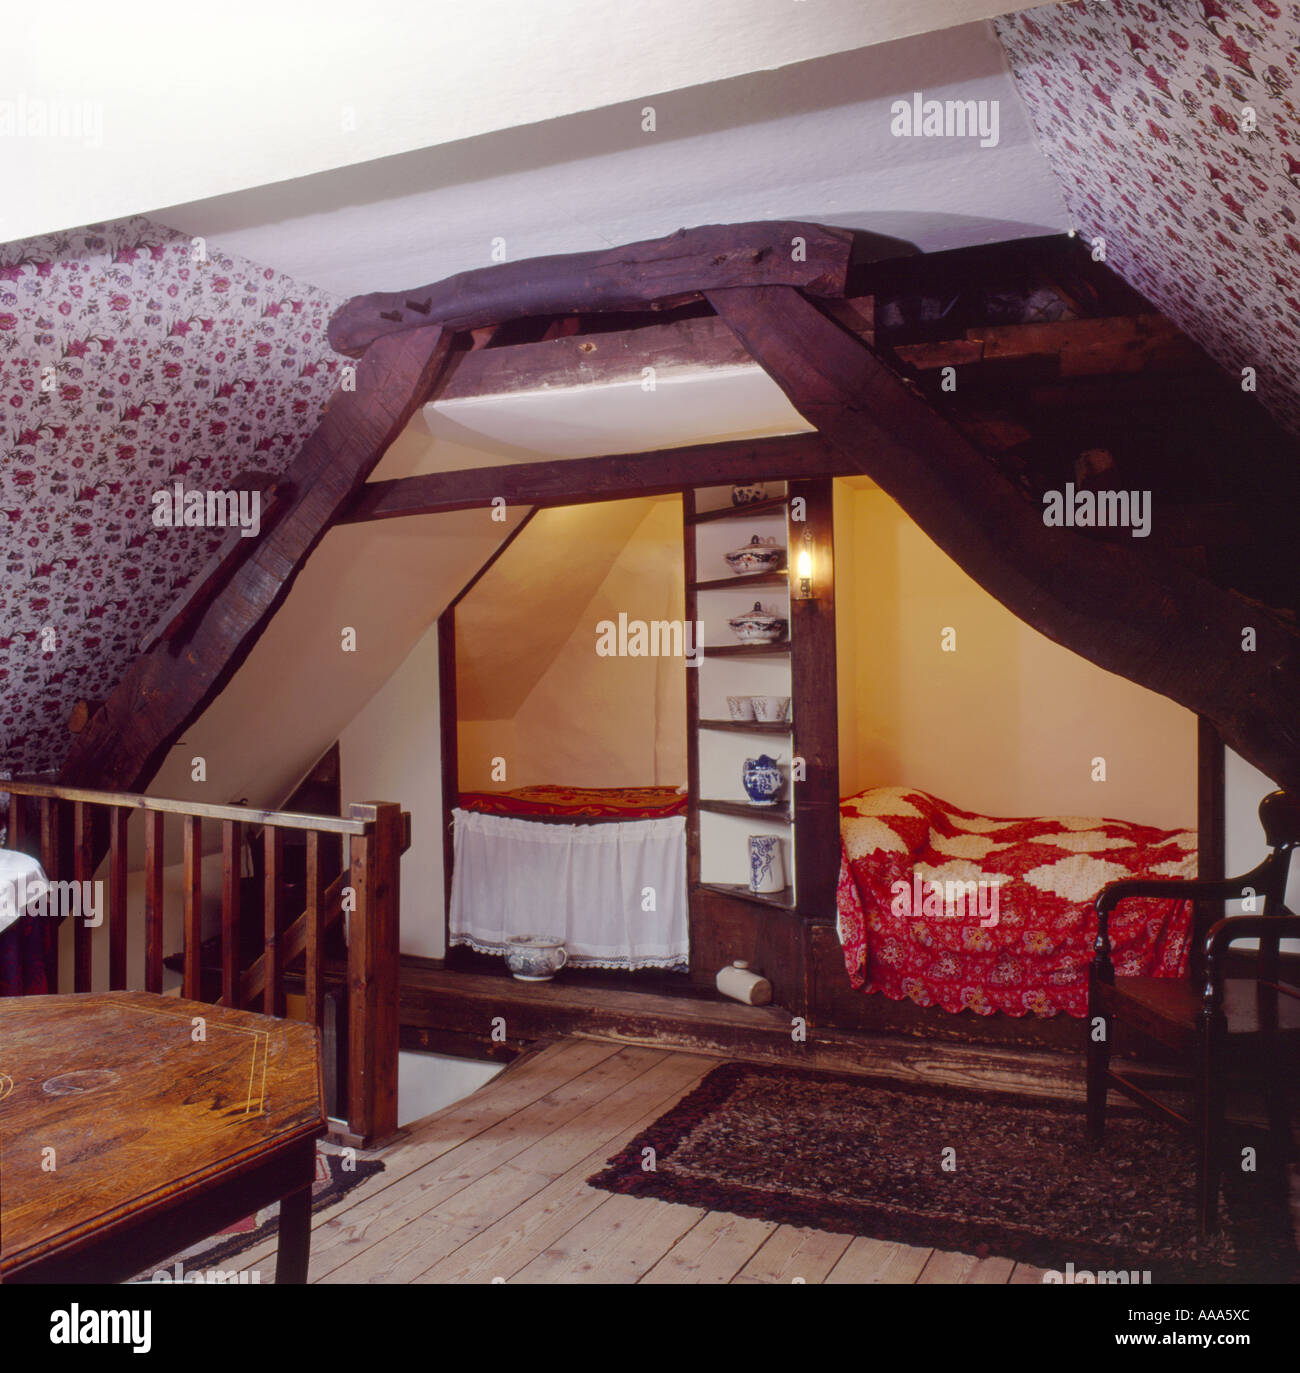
(766, 868)
(762, 780)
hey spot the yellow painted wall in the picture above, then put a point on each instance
(1010, 722)
(585, 720)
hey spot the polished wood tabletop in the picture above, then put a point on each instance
(133, 1125)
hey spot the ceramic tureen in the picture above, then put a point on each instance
(755, 556)
(758, 626)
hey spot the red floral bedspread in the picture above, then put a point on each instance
(1026, 948)
(615, 803)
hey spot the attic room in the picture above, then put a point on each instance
(739, 609)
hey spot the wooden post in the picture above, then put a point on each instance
(1211, 823)
(193, 906)
(816, 723)
(50, 855)
(315, 981)
(448, 721)
(83, 870)
(231, 837)
(118, 862)
(272, 905)
(373, 940)
(153, 900)
(19, 837)
(50, 860)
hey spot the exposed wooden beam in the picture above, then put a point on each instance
(166, 688)
(617, 355)
(1081, 347)
(657, 272)
(592, 359)
(1132, 613)
(578, 481)
(198, 591)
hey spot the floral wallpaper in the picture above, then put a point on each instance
(131, 357)
(1143, 109)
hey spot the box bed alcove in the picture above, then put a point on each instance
(793, 937)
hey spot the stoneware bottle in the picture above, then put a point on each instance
(740, 984)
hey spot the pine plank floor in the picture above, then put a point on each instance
(492, 1189)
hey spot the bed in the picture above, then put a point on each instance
(947, 907)
(603, 867)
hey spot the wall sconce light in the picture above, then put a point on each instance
(803, 568)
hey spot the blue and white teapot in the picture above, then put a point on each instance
(763, 780)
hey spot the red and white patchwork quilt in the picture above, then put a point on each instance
(1021, 941)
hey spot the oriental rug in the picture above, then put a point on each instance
(983, 1173)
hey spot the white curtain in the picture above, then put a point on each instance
(587, 884)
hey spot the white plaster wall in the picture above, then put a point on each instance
(390, 751)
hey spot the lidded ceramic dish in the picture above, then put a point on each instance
(755, 556)
(758, 626)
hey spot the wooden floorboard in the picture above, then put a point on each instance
(494, 1188)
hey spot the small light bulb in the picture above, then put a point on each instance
(803, 565)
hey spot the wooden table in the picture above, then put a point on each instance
(129, 1131)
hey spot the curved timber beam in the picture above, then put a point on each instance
(659, 272)
(167, 688)
(1151, 621)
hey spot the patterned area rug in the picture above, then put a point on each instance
(943, 1168)
(336, 1175)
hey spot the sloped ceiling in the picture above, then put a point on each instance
(529, 602)
(1139, 108)
(125, 366)
(114, 118)
(298, 689)
(810, 141)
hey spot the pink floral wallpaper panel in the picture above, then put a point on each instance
(1175, 132)
(131, 357)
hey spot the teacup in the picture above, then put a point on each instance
(772, 709)
(535, 957)
(740, 707)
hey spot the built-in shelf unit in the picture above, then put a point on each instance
(729, 920)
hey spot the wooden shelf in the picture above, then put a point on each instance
(747, 650)
(781, 900)
(748, 812)
(750, 726)
(740, 512)
(734, 583)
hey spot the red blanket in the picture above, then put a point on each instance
(613, 803)
(970, 912)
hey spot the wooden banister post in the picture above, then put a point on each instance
(83, 872)
(373, 936)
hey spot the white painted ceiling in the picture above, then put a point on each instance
(808, 141)
(183, 102)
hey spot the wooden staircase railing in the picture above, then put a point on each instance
(376, 833)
